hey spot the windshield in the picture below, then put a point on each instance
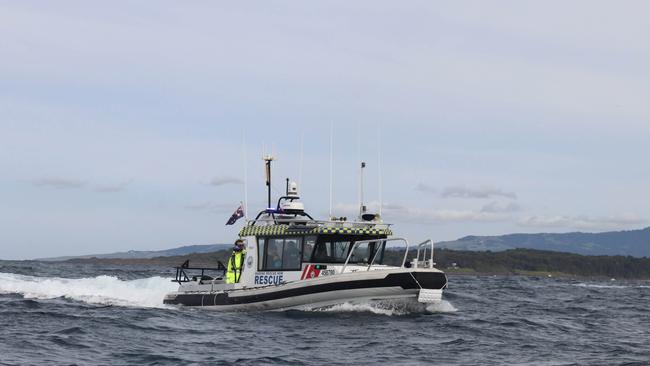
(335, 249)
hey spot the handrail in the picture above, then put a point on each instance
(181, 275)
(319, 222)
(417, 257)
(382, 242)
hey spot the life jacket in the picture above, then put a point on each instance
(235, 266)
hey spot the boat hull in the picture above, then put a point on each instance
(322, 291)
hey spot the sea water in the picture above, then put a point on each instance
(62, 313)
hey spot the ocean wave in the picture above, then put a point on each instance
(103, 290)
(441, 307)
(595, 285)
(388, 307)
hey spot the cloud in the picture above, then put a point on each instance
(495, 206)
(433, 216)
(114, 188)
(421, 187)
(220, 181)
(481, 192)
(582, 222)
(59, 183)
(423, 215)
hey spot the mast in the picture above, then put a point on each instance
(362, 208)
(381, 201)
(245, 177)
(301, 159)
(331, 164)
(267, 160)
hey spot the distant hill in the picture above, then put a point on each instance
(145, 254)
(634, 243)
(529, 262)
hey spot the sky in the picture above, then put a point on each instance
(132, 125)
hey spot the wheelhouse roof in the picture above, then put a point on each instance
(292, 230)
(277, 222)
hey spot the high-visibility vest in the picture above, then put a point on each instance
(235, 266)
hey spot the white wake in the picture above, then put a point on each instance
(390, 308)
(104, 290)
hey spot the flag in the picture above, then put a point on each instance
(238, 214)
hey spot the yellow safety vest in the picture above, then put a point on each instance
(235, 266)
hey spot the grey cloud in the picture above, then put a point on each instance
(481, 192)
(59, 183)
(495, 206)
(220, 181)
(114, 188)
(392, 206)
(421, 187)
(423, 215)
(434, 216)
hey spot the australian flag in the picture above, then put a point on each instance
(238, 214)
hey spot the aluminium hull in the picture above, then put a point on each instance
(319, 292)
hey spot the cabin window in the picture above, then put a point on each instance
(331, 251)
(260, 252)
(274, 253)
(281, 254)
(340, 250)
(364, 253)
(291, 253)
(308, 248)
(335, 249)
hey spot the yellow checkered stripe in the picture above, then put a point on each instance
(284, 230)
(353, 231)
(264, 230)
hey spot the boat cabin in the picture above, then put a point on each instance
(288, 252)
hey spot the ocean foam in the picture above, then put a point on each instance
(593, 285)
(104, 290)
(443, 306)
(390, 308)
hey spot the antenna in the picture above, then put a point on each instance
(245, 176)
(302, 134)
(331, 164)
(381, 202)
(268, 159)
(362, 208)
(360, 193)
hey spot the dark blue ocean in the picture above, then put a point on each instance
(54, 313)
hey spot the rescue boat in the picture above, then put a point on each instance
(293, 261)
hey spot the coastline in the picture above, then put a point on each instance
(516, 262)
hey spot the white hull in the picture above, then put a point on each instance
(321, 292)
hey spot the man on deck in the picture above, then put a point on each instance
(236, 262)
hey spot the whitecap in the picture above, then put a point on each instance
(388, 307)
(104, 290)
(593, 285)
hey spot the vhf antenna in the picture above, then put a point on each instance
(268, 158)
(362, 207)
(245, 175)
(331, 165)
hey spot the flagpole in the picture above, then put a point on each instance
(245, 177)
